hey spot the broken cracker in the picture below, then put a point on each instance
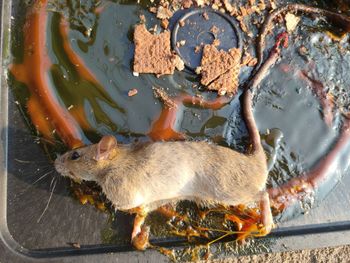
(227, 83)
(214, 63)
(152, 52)
(220, 69)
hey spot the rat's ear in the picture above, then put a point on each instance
(104, 147)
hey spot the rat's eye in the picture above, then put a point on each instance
(74, 156)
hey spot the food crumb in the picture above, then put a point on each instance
(216, 42)
(132, 92)
(182, 23)
(165, 23)
(153, 10)
(291, 21)
(197, 49)
(164, 97)
(249, 60)
(142, 18)
(200, 3)
(215, 6)
(205, 16)
(187, 4)
(303, 51)
(164, 13)
(214, 30)
(75, 245)
(181, 43)
(70, 107)
(179, 64)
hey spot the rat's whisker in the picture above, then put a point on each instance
(49, 141)
(36, 181)
(48, 202)
(40, 178)
(29, 161)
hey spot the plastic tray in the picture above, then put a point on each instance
(23, 239)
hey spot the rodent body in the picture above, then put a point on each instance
(154, 174)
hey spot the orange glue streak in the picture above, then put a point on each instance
(78, 113)
(162, 128)
(37, 115)
(34, 72)
(77, 61)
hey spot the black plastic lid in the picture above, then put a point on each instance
(199, 27)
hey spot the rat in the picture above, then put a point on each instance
(138, 178)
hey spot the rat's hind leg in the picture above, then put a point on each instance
(266, 215)
(250, 222)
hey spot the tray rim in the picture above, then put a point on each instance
(328, 232)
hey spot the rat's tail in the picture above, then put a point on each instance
(282, 41)
(250, 122)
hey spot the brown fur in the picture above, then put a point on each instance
(160, 172)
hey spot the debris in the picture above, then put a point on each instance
(75, 245)
(182, 23)
(165, 23)
(291, 21)
(200, 3)
(197, 49)
(187, 4)
(214, 30)
(179, 64)
(205, 16)
(216, 42)
(228, 6)
(153, 10)
(181, 43)
(164, 97)
(164, 13)
(248, 60)
(132, 92)
(142, 19)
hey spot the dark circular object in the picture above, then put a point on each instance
(199, 27)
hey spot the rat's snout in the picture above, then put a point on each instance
(58, 164)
